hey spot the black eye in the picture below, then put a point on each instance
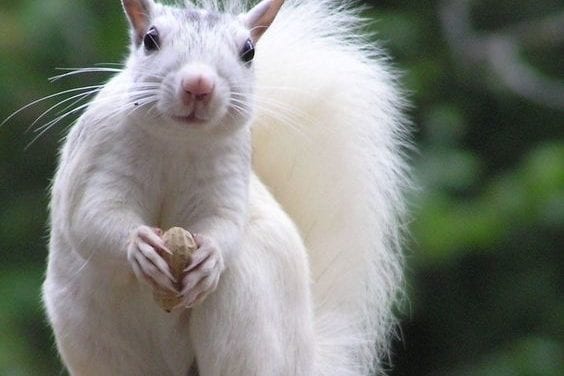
(151, 39)
(248, 51)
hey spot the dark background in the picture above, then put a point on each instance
(485, 259)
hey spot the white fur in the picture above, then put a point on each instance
(327, 142)
(333, 160)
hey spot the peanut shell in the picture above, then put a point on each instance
(181, 243)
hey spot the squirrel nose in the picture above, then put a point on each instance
(197, 86)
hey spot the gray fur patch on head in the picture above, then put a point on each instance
(226, 6)
(203, 17)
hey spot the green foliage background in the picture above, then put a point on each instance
(485, 265)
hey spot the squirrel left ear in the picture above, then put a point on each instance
(139, 14)
(261, 16)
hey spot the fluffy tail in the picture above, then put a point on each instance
(328, 141)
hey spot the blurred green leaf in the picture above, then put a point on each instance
(485, 267)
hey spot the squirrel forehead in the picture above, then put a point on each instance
(198, 19)
(204, 17)
(198, 26)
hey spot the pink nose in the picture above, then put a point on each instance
(197, 86)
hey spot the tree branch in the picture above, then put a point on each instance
(500, 51)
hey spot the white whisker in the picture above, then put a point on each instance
(75, 71)
(47, 98)
(139, 99)
(80, 97)
(291, 118)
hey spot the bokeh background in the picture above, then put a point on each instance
(485, 272)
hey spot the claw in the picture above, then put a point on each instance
(153, 239)
(203, 273)
(157, 261)
(147, 263)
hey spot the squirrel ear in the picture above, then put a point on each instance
(139, 14)
(261, 16)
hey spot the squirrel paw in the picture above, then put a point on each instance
(202, 275)
(144, 252)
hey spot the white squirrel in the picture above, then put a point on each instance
(299, 262)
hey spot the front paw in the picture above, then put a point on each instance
(202, 275)
(144, 252)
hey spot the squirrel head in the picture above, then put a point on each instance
(192, 67)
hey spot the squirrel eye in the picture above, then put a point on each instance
(151, 39)
(248, 51)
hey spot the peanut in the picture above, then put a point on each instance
(181, 243)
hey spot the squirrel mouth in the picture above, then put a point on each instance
(189, 119)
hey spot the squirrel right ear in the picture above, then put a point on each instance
(261, 16)
(139, 14)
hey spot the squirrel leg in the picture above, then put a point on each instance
(259, 320)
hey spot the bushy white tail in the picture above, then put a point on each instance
(328, 141)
